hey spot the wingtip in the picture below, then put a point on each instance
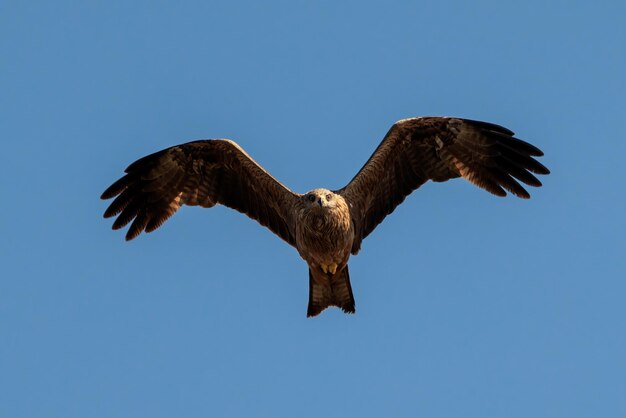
(116, 188)
(130, 237)
(521, 192)
(107, 194)
(539, 168)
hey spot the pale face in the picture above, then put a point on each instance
(321, 198)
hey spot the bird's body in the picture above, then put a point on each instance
(324, 223)
(324, 239)
(325, 226)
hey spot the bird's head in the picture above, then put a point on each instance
(321, 199)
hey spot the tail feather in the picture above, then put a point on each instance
(329, 290)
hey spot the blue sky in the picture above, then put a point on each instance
(467, 304)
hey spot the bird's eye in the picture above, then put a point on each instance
(311, 198)
(329, 196)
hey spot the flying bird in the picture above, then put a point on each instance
(325, 226)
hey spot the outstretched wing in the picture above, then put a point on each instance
(438, 148)
(202, 173)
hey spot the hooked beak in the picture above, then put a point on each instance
(319, 202)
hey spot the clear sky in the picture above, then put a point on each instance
(468, 305)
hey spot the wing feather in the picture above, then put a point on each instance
(438, 148)
(202, 173)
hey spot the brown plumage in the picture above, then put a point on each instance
(325, 226)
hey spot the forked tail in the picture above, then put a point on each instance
(329, 290)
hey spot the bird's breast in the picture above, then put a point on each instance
(325, 237)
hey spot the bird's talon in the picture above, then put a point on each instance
(332, 268)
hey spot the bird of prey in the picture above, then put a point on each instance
(325, 226)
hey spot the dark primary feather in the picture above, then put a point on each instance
(438, 148)
(203, 173)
